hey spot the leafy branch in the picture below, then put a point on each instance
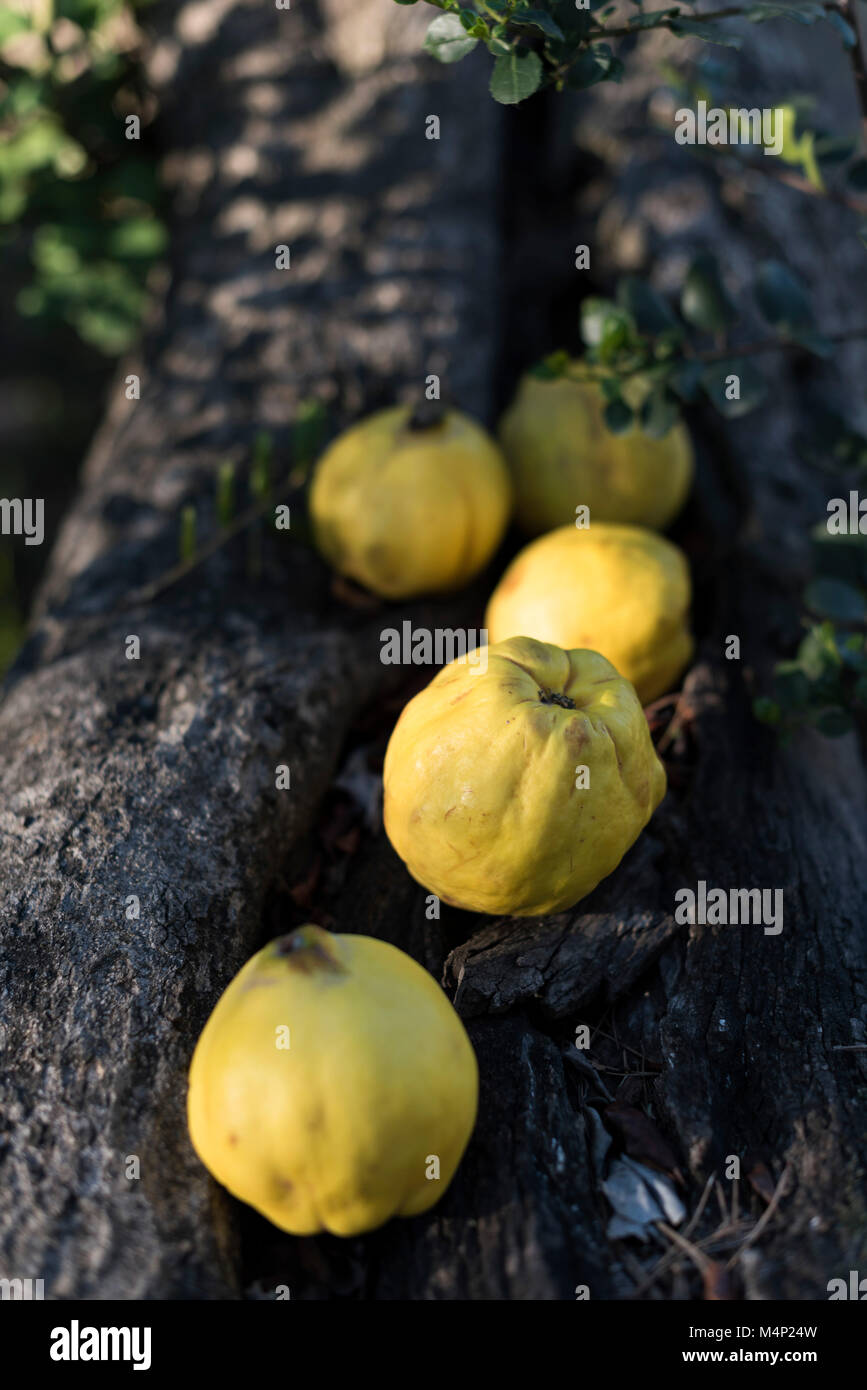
(824, 685)
(821, 163)
(638, 337)
(637, 340)
(556, 43)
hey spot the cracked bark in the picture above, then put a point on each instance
(155, 778)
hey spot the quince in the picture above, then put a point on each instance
(562, 455)
(333, 1085)
(620, 590)
(411, 503)
(514, 787)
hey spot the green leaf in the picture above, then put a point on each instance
(595, 65)
(711, 33)
(751, 385)
(791, 686)
(536, 19)
(595, 313)
(606, 327)
(649, 310)
(833, 598)
(551, 367)
(515, 77)
(800, 10)
(573, 22)
(650, 19)
(798, 150)
(685, 379)
(815, 343)
(818, 652)
(496, 43)
(473, 24)
(767, 711)
(705, 301)
(618, 416)
(783, 299)
(447, 41)
(659, 414)
(143, 237)
(784, 302)
(832, 442)
(853, 650)
(843, 27)
(833, 149)
(839, 557)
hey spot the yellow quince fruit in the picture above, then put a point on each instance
(409, 503)
(514, 786)
(562, 455)
(333, 1085)
(621, 590)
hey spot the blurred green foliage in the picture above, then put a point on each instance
(825, 683)
(79, 226)
(77, 197)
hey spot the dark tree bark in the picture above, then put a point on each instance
(154, 778)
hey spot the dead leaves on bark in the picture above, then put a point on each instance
(641, 1138)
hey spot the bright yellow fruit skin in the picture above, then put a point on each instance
(409, 511)
(621, 590)
(481, 801)
(562, 455)
(336, 1132)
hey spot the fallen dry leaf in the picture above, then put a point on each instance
(641, 1138)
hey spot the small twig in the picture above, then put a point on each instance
(619, 1071)
(597, 1032)
(584, 371)
(765, 1217)
(699, 1259)
(702, 1203)
(774, 170)
(670, 1256)
(849, 1047)
(725, 1238)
